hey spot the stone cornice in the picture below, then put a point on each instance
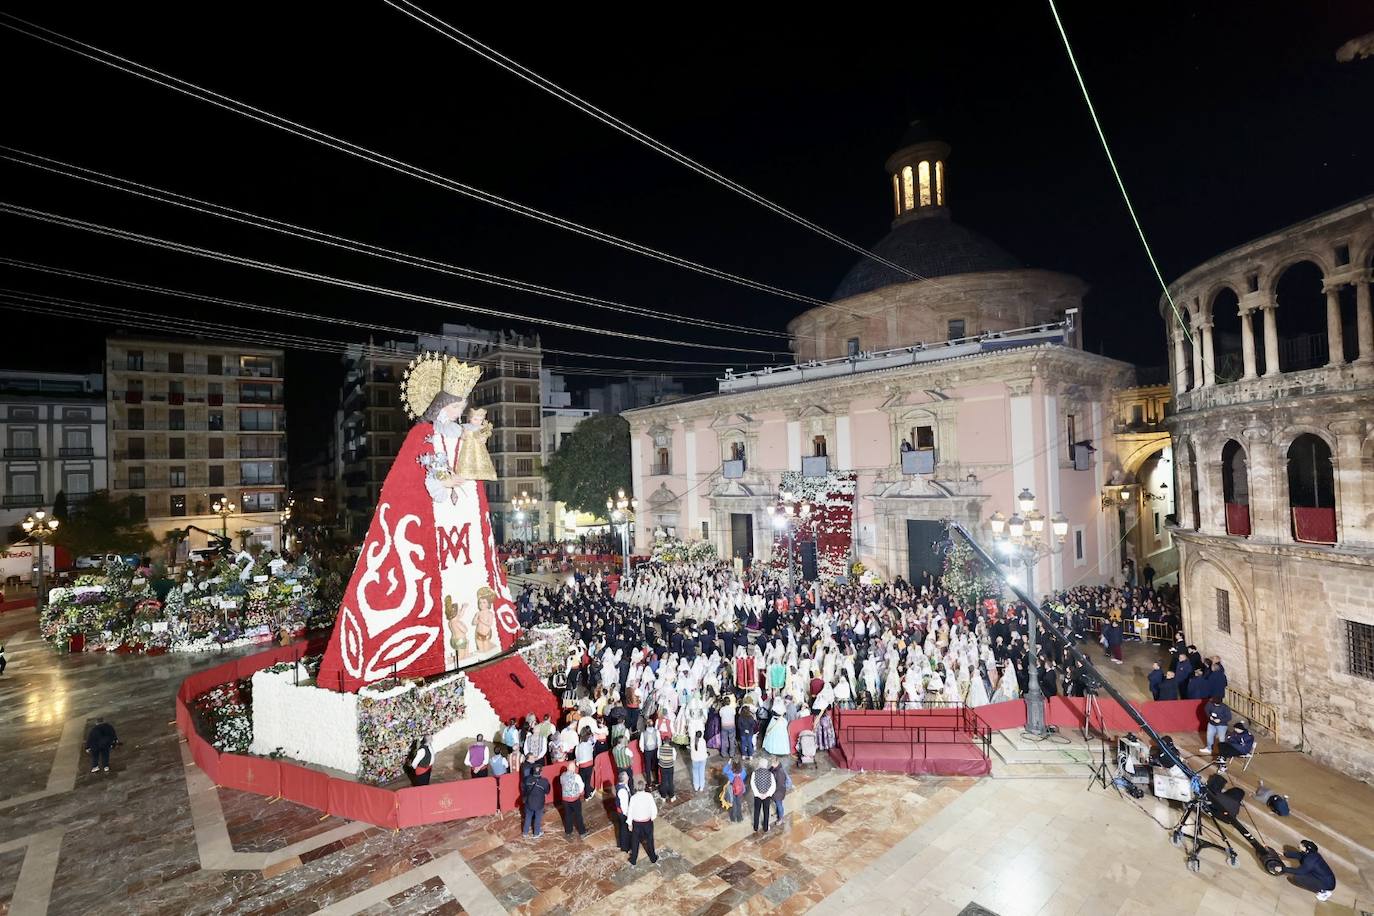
(1220, 544)
(1053, 360)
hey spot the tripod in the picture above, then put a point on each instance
(1101, 774)
(1194, 813)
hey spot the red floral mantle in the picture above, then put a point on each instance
(513, 690)
(830, 524)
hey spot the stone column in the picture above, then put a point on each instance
(1198, 378)
(1265, 516)
(1180, 360)
(1271, 339)
(1335, 341)
(1209, 363)
(1247, 341)
(1364, 319)
(1347, 465)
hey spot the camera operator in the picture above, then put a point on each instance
(1312, 873)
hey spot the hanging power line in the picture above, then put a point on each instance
(1120, 182)
(74, 223)
(76, 309)
(128, 186)
(110, 59)
(451, 32)
(310, 316)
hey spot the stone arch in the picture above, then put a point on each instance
(1222, 308)
(1270, 275)
(1205, 574)
(1300, 315)
(1133, 461)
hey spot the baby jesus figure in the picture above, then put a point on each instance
(474, 461)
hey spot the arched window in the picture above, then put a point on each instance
(924, 173)
(1312, 490)
(908, 188)
(897, 195)
(940, 183)
(1194, 502)
(1235, 488)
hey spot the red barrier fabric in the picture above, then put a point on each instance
(1314, 526)
(358, 802)
(1175, 715)
(250, 774)
(508, 792)
(1238, 519)
(446, 801)
(304, 787)
(1067, 712)
(183, 718)
(206, 757)
(552, 772)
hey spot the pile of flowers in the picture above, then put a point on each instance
(547, 649)
(234, 601)
(830, 524)
(393, 715)
(672, 550)
(223, 714)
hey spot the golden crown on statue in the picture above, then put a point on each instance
(431, 373)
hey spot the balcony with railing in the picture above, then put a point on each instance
(76, 451)
(918, 461)
(23, 501)
(23, 453)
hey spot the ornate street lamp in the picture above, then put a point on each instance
(223, 508)
(40, 526)
(1023, 539)
(622, 509)
(786, 514)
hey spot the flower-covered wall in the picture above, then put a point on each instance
(830, 524)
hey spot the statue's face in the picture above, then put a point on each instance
(453, 412)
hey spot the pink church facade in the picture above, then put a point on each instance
(1001, 400)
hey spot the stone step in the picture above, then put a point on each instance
(1064, 750)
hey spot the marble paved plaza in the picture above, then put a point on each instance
(155, 836)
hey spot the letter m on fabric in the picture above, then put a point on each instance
(453, 543)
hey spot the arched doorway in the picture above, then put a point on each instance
(1312, 490)
(1235, 488)
(1301, 317)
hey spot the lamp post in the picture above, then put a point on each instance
(1023, 539)
(40, 526)
(223, 508)
(788, 511)
(524, 512)
(621, 508)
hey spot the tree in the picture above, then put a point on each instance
(103, 525)
(591, 464)
(59, 506)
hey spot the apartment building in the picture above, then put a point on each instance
(52, 431)
(372, 426)
(192, 422)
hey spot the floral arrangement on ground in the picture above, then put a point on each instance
(234, 601)
(223, 715)
(389, 722)
(672, 550)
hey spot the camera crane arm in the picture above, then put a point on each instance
(1048, 623)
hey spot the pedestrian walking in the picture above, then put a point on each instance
(99, 741)
(735, 787)
(536, 792)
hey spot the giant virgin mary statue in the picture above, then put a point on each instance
(429, 594)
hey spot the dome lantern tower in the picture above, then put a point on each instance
(917, 172)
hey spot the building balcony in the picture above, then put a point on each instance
(732, 470)
(23, 501)
(215, 400)
(129, 397)
(816, 466)
(1295, 381)
(23, 453)
(660, 470)
(918, 461)
(176, 398)
(76, 452)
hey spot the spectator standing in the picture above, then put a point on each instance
(99, 740)
(728, 740)
(421, 763)
(1168, 687)
(763, 785)
(573, 791)
(781, 783)
(478, 758)
(1155, 678)
(648, 750)
(745, 723)
(642, 813)
(624, 789)
(1218, 718)
(667, 761)
(735, 787)
(699, 753)
(585, 757)
(622, 758)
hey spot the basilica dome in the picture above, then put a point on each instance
(929, 279)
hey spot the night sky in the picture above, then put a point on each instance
(1227, 122)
